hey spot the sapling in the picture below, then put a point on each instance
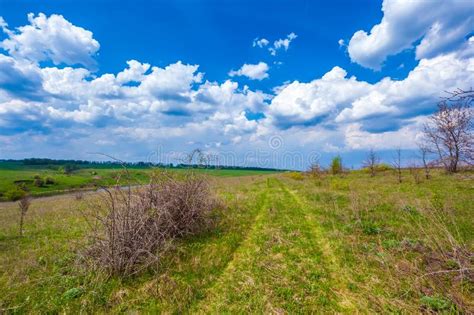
(24, 205)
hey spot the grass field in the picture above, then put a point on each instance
(13, 174)
(281, 245)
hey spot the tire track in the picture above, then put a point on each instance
(238, 254)
(339, 274)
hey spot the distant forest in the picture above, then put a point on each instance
(76, 164)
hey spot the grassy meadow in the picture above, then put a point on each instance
(15, 176)
(282, 244)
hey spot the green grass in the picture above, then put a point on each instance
(13, 174)
(338, 244)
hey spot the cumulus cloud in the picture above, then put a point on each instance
(143, 105)
(50, 38)
(433, 27)
(134, 73)
(171, 96)
(335, 98)
(171, 82)
(309, 103)
(355, 138)
(257, 71)
(19, 79)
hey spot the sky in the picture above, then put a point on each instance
(253, 83)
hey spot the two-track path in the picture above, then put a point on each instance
(285, 263)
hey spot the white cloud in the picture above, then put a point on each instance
(135, 72)
(341, 43)
(355, 138)
(19, 79)
(440, 24)
(173, 81)
(67, 109)
(374, 103)
(337, 99)
(3, 24)
(51, 38)
(257, 71)
(260, 42)
(303, 103)
(282, 43)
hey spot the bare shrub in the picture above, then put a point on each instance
(427, 165)
(315, 170)
(24, 205)
(371, 162)
(131, 228)
(397, 164)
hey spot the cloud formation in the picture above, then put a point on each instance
(50, 38)
(432, 27)
(260, 42)
(51, 97)
(257, 71)
(282, 43)
(277, 45)
(338, 99)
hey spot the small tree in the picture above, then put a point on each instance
(24, 205)
(424, 153)
(397, 164)
(371, 162)
(449, 132)
(336, 165)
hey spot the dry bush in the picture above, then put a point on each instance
(131, 228)
(316, 171)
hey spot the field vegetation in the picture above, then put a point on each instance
(279, 243)
(18, 178)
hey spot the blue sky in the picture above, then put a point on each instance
(318, 77)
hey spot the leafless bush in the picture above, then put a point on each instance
(397, 164)
(131, 228)
(427, 165)
(24, 205)
(315, 170)
(371, 162)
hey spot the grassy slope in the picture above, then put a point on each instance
(282, 245)
(86, 177)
